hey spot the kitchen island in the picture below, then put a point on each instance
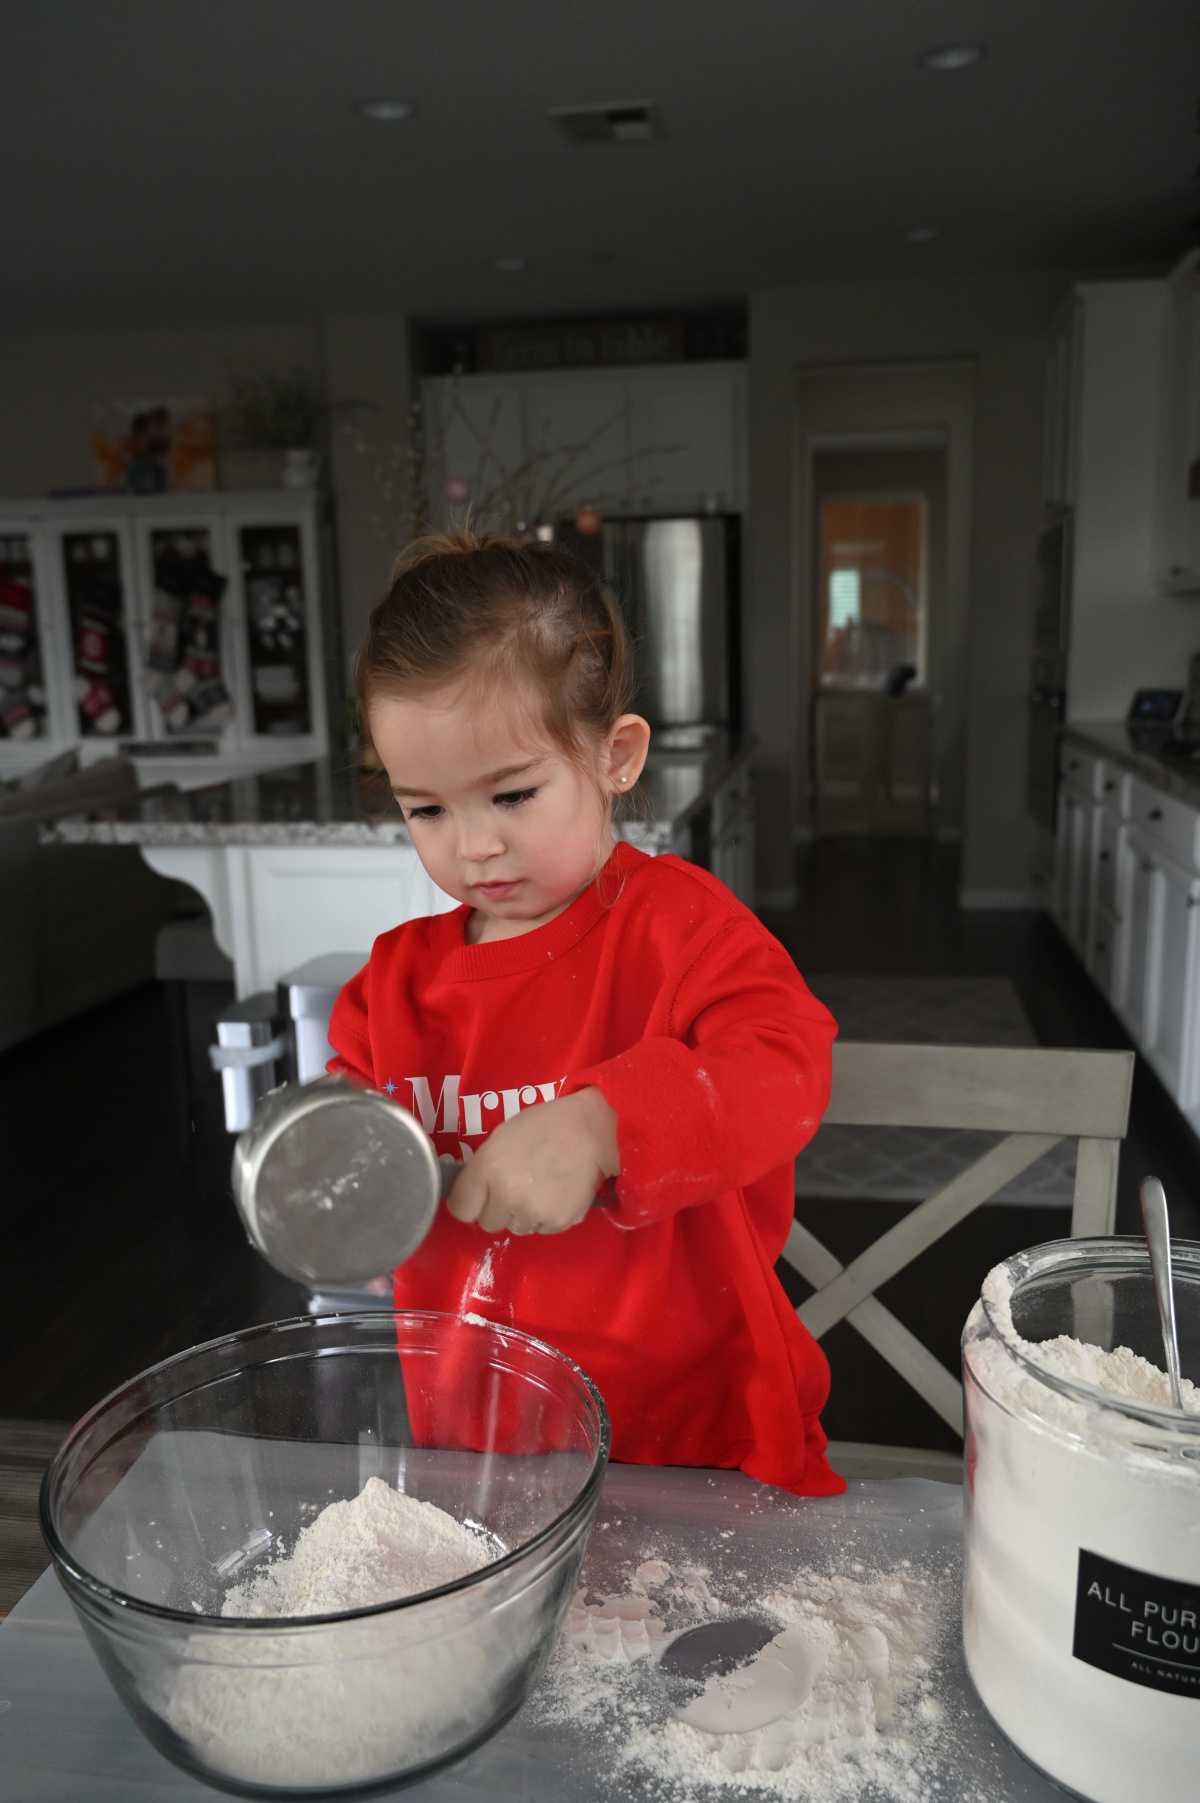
(315, 858)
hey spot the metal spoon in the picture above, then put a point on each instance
(1157, 1225)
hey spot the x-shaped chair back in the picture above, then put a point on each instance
(1035, 1098)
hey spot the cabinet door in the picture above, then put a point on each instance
(186, 652)
(1106, 832)
(33, 697)
(1143, 966)
(1169, 1046)
(95, 567)
(1071, 869)
(689, 430)
(275, 565)
(1105, 960)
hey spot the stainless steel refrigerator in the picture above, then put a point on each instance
(676, 578)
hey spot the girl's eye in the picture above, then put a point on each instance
(512, 798)
(427, 813)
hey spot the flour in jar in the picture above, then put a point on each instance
(349, 1701)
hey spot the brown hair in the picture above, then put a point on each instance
(504, 616)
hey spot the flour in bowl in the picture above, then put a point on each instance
(351, 1701)
(380, 1546)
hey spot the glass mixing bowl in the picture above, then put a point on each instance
(195, 1474)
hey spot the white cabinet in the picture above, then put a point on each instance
(1170, 1044)
(1177, 560)
(531, 448)
(1071, 868)
(1144, 891)
(1127, 897)
(135, 623)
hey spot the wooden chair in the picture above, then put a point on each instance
(1035, 1098)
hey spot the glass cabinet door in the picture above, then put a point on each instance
(186, 660)
(274, 584)
(23, 701)
(97, 606)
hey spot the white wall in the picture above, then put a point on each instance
(1001, 324)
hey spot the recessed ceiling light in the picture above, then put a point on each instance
(386, 112)
(947, 59)
(922, 234)
(510, 265)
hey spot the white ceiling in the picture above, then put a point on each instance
(167, 160)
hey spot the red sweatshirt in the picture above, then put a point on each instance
(657, 987)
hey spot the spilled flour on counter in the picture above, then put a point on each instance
(350, 1701)
(843, 1703)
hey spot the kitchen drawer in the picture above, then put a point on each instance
(1080, 770)
(1168, 825)
(1107, 838)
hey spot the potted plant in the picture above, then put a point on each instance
(280, 411)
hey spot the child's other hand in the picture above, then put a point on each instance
(539, 1172)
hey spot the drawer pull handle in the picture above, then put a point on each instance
(1154, 814)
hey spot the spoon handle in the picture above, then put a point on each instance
(1158, 1236)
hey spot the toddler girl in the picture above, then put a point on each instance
(590, 1025)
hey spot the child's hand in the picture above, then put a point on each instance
(539, 1172)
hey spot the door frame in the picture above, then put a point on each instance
(873, 406)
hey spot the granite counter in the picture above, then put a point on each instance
(1144, 753)
(315, 858)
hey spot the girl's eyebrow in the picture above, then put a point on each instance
(486, 782)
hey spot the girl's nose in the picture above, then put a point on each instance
(478, 840)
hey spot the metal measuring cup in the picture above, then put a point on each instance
(335, 1184)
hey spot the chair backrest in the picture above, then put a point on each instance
(1035, 1098)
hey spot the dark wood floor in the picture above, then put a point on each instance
(122, 1245)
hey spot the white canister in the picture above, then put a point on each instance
(1081, 1602)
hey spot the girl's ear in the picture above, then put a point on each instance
(625, 753)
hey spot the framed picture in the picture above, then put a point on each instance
(154, 446)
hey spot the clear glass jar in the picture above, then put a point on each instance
(1081, 1600)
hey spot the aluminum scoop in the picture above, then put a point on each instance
(334, 1183)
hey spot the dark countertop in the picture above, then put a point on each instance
(1174, 775)
(327, 803)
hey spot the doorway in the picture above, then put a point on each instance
(888, 446)
(879, 542)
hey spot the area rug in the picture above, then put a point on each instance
(906, 1164)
